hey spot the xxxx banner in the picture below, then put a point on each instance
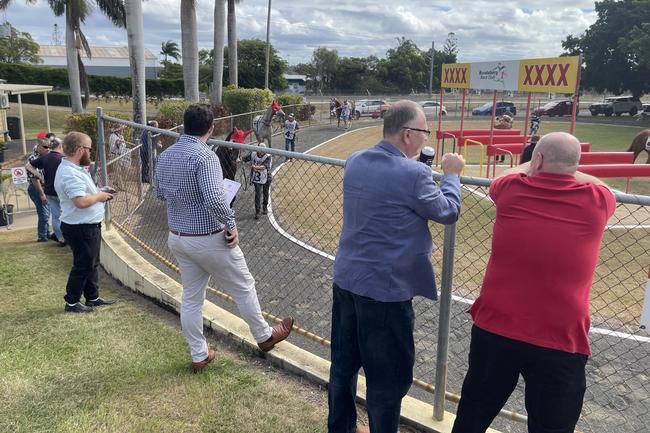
(558, 75)
(456, 76)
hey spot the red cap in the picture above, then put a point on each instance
(41, 134)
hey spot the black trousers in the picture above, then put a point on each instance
(262, 196)
(85, 241)
(377, 336)
(555, 384)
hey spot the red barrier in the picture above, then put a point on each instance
(617, 170)
(607, 158)
(457, 132)
(510, 149)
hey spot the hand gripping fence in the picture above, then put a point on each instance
(290, 253)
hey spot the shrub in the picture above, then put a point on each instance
(221, 127)
(87, 123)
(246, 100)
(301, 110)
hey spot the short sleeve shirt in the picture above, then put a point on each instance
(545, 246)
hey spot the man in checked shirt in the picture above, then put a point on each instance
(203, 237)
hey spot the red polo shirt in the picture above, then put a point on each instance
(545, 248)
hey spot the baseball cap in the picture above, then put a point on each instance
(290, 114)
(41, 135)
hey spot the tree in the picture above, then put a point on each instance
(170, 49)
(189, 42)
(232, 44)
(324, 63)
(405, 67)
(205, 57)
(252, 55)
(217, 51)
(614, 53)
(19, 47)
(76, 12)
(451, 44)
(135, 37)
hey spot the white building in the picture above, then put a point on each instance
(106, 61)
(296, 83)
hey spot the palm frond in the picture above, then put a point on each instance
(114, 10)
(57, 6)
(83, 81)
(84, 43)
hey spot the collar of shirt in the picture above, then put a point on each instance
(190, 140)
(387, 146)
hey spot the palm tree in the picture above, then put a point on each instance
(232, 43)
(217, 66)
(76, 12)
(135, 35)
(170, 49)
(189, 42)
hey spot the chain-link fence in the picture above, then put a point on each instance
(290, 253)
(14, 198)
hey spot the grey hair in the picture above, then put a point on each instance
(401, 113)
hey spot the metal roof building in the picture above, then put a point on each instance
(107, 61)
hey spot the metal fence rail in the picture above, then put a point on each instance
(290, 254)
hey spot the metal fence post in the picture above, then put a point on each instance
(152, 155)
(101, 150)
(137, 143)
(444, 318)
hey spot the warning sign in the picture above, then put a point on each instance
(19, 175)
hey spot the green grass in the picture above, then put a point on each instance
(122, 368)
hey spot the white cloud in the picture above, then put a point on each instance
(486, 30)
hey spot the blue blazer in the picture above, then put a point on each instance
(385, 245)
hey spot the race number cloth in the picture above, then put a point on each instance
(260, 176)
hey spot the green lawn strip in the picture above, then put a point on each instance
(120, 368)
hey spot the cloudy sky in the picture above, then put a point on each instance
(486, 30)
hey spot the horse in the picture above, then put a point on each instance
(262, 123)
(640, 143)
(336, 107)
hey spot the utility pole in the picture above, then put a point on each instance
(433, 52)
(268, 47)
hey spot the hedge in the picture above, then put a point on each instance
(87, 123)
(99, 84)
(58, 99)
(246, 100)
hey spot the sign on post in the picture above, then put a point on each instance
(19, 175)
(555, 74)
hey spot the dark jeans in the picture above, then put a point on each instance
(377, 336)
(290, 145)
(144, 163)
(43, 212)
(262, 196)
(555, 384)
(85, 240)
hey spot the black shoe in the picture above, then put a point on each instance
(42, 240)
(53, 237)
(77, 308)
(257, 216)
(99, 301)
(61, 244)
(264, 212)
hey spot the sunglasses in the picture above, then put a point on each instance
(44, 147)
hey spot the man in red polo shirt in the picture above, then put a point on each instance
(532, 315)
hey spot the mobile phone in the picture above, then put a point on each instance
(108, 189)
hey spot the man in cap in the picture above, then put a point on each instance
(291, 127)
(35, 189)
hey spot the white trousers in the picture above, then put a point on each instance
(200, 257)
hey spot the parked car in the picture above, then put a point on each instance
(646, 108)
(502, 107)
(555, 108)
(616, 105)
(431, 108)
(370, 107)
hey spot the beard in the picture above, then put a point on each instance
(85, 160)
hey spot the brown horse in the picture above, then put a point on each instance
(641, 143)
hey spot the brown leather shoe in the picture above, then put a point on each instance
(362, 429)
(200, 365)
(279, 333)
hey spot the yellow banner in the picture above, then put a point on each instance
(455, 76)
(557, 74)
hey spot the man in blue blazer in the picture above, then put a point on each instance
(383, 261)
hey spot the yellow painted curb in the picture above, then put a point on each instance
(125, 265)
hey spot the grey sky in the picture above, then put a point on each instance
(486, 30)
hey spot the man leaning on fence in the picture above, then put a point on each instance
(532, 315)
(204, 239)
(36, 192)
(383, 261)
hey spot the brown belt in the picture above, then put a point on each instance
(195, 234)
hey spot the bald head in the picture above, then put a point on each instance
(399, 115)
(557, 152)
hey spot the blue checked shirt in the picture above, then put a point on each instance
(189, 179)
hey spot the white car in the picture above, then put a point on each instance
(370, 107)
(431, 108)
